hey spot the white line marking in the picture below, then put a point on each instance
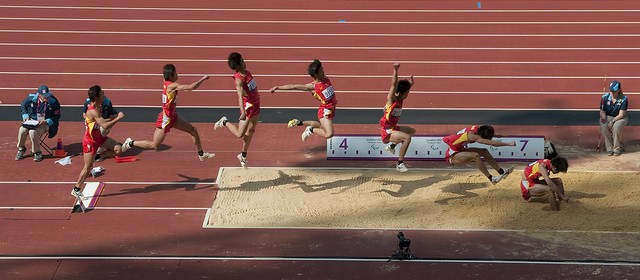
(360, 48)
(322, 10)
(327, 22)
(304, 76)
(474, 11)
(155, 91)
(309, 34)
(326, 259)
(323, 61)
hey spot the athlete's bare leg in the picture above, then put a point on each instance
(402, 136)
(88, 165)
(244, 130)
(158, 138)
(324, 128)
(468, 155)
(184, 125)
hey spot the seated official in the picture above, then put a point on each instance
(613, 117)
(40, 115)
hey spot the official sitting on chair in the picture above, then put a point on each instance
(40, 115)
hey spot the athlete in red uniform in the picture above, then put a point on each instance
(532, 186)
(322, 90)
(458, 153)
(389, 129)
(249, 102)
(169, 118)
(93, 138)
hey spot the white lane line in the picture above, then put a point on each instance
(308, 34)
(328, 259)
(357, 48)
(327, 21)
(322, 10)
(304, 76)
(307, 61)
(103, 208)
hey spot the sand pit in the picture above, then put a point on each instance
(420, 199)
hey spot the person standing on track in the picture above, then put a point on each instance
(169, 118)
(613, 117)
(93, 138)
(458, 153)
(249, 102)
(532, 186)
(321, 89)
(389, 129)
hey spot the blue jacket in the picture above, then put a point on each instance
(29, 110)
(107, 108)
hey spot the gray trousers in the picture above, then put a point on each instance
(34, 135)
(613, 137)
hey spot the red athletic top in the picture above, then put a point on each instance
(532, 171)
(323, 91)
(392, 114)
(460, 140)
(92, 132)
(250, 94)
(169, 100)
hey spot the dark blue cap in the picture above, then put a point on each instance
(44, 90)
(615, 86)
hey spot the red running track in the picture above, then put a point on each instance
(153, 231)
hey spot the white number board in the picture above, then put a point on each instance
(428, 148)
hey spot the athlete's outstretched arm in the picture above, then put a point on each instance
(192, 86)
(306, 87)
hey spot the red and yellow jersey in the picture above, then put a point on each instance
(323, 91)
(392, 114)
(460, 140)
(92, 131)
(169, 100)
(532, 171)
(250, 94)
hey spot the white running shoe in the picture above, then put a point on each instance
(220, 123)
(507, 172)
(77, 194)
(293, 122)
(401, 167)
(205, 156)
(496, 179)
(243, 161)
(306, 133)
(126, 145)
(390, 150)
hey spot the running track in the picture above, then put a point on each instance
(506, 55)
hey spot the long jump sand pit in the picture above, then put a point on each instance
(419, 199)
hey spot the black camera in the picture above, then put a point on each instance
(403, 252)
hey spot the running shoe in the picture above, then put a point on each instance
(390, 150)
(205, 156)
(306, 133)
(401, 167)
(77, 193)
(243, 161)
(220, 123)
(293, 122)
(126, 145)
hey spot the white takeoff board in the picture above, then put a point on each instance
(424, 147)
